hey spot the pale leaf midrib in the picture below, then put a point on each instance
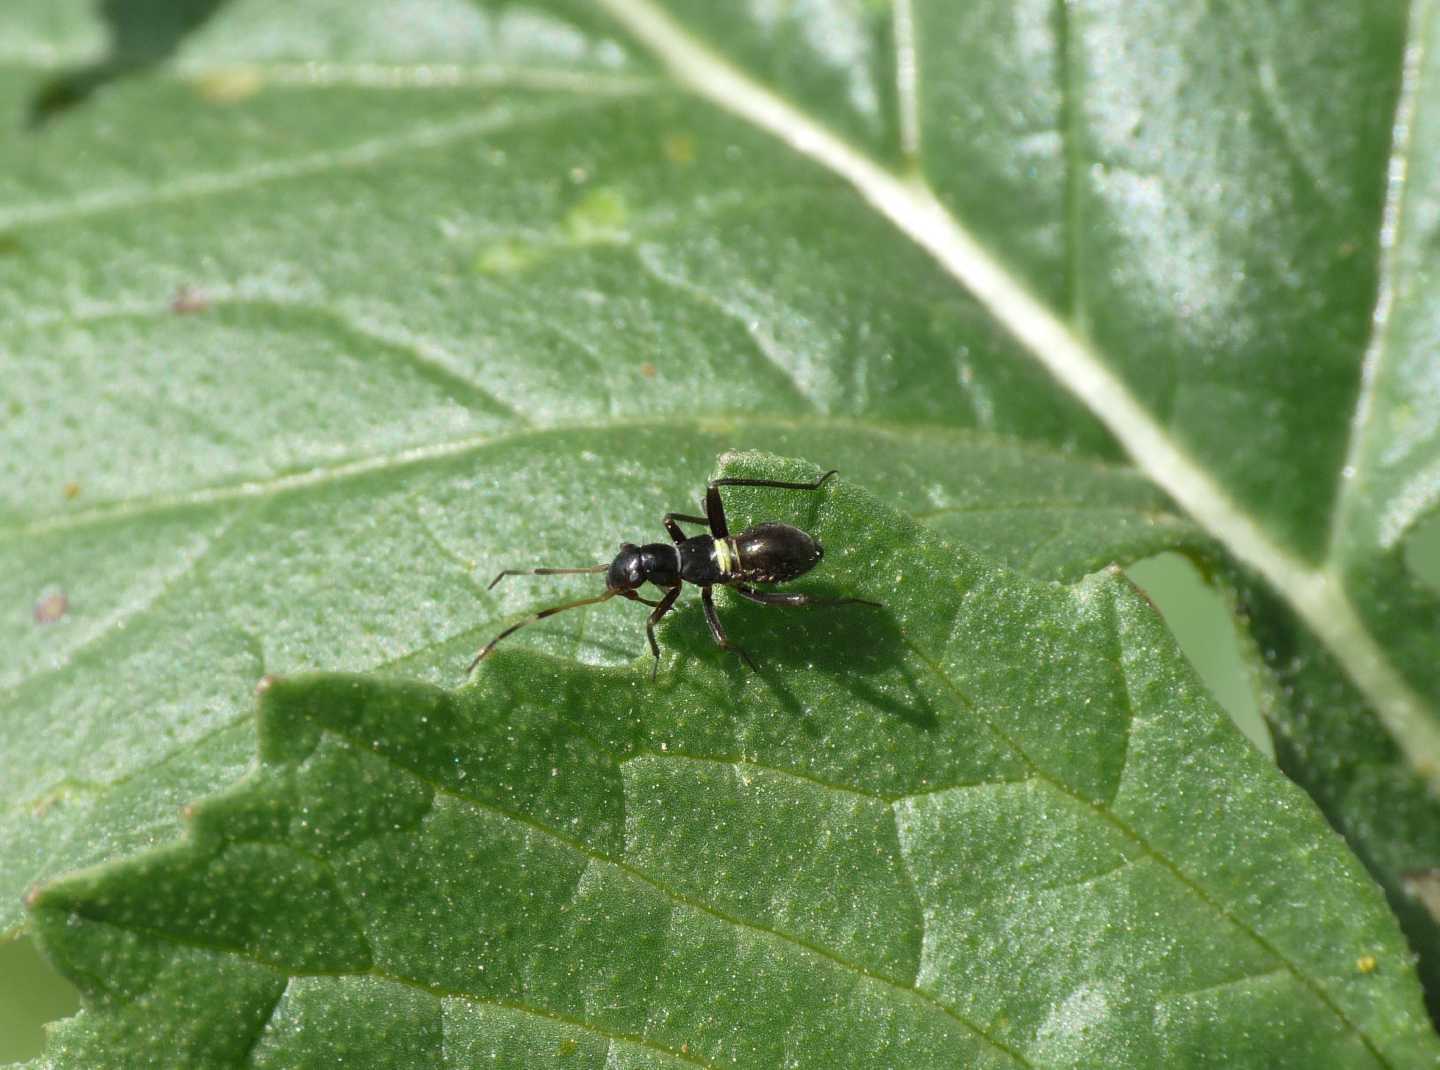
(316, 475)
(1351, 493)
(1315, 593)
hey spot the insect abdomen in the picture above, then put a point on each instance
(773, 553)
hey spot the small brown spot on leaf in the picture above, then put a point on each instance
(71, 490)
(188, 300)
(51, 606)
(648, 370)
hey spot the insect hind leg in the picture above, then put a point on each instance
(715, 508)
(796, 598)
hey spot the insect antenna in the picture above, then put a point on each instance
(484, 650)
(542, 572)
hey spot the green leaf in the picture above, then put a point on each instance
(997, 822)
(310, 321)
(1327, 741)
(1225, 250)
(306, 458)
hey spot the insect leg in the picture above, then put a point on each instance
(715, 511)
(485, 650)
(676, 535)
(661, 608)
(715, 508)
(721, 639)
(796, 598)
(543, 572)
(773, 482)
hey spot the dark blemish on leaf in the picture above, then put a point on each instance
(648, 370)
(41, 806)
(71, 490)
(188, 300)
(11, 245)
(61, 94)
(51, 606)
(142, 36)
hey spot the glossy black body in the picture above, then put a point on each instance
(764, 553)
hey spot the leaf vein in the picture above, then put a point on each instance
(123, 615)
(358, 156)
(264, 1025)
(362, 466)
(435, 991)
(738, 761)
(678, 898)
(1174, 868)
(762, 344)
(1278, 972)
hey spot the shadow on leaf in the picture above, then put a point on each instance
(857, 648)
(143, 34)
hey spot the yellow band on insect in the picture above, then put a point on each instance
(722, 556)
(727, 556)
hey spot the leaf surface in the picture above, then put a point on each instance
(310, 324)
(282, 388)
(994, 823)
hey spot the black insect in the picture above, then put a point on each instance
(766, 553)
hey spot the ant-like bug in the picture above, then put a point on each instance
(765, 553)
